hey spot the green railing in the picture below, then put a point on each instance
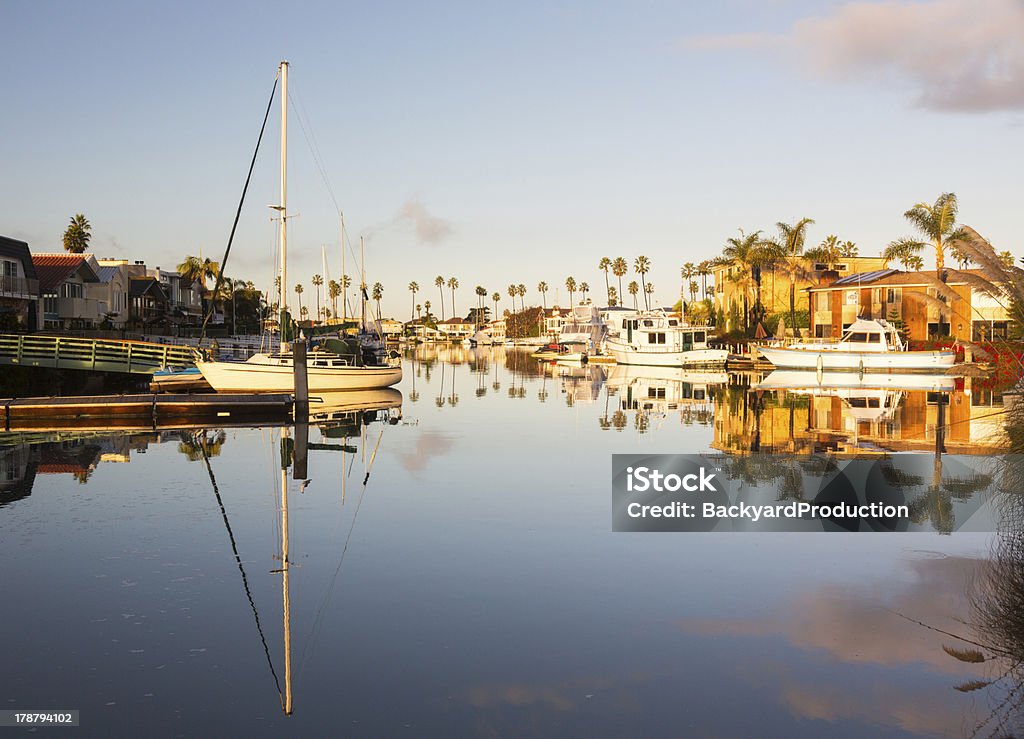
(97, 355)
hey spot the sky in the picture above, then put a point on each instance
(505, 143)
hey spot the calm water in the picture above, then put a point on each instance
(472, 585)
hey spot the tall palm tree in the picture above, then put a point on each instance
(694, 287)
(413, 288)
(298, 291)
(512, 292)
(641, 265)
(743, 251)
(613, 296)
(378, 293)
(703, 270)
(570, 285)
(194, 269)
(426, 307)
(619, 268)
(346, 283)
(542, 288)
(521, 291)
(584, 289)
(481, 296)
(847, 249)
(648, 294)
(495, 297)
(634, 288)
(318, 282)
(453, 284)
(334, 292)
(439, 283)
(77, 235)
(938, 224)
(604, 265)
(790, 244)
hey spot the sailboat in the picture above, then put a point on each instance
(274, 372)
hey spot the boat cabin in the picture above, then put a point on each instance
(871, 336)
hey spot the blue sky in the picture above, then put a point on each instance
(507, 143)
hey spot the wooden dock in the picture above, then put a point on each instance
(94, 355)
(141, 411)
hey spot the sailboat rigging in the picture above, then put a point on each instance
(346, 369)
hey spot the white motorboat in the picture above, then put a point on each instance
(660, 340)
(866, 345)
(274, 373)
(584, 331)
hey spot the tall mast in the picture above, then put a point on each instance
(362, 283)
(283, 206)
(344, 290)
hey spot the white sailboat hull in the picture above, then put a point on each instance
(812, 359)
(278, 377)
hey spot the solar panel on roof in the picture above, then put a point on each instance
(865, 277)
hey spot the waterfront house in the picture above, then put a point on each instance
(19, 287)
(62, 286)
(456, 329)
(111, 289)
(729, 289)
(912, 300)
(147, 302)
(184, 300)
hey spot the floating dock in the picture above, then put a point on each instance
(137, 410)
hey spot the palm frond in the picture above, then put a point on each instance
(924, 219)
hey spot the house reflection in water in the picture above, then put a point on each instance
(857, 416)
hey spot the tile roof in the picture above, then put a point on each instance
(54, 269)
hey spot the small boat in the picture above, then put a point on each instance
(866, 345)
(552, 351)
(657, 339)
(178, 380)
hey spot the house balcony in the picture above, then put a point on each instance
(19, 287)
(80, 309)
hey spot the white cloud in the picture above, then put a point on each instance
(956, 55)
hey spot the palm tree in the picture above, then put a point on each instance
(318, 282)
(613, 297)
(828, 252)
(495, 297)
(521, 291)
(641, 265)
(648, 294)
(439, 283)
(744, 252)
(633, 290)
(512, 292)
(570, 285)
(790, 245)
(619, 268)
(938, 224)
(298, 291)
(453, 284)
(703, 270)
(77, 235)
(481, 295)
(194, 269)
(426, 307)
(584, 289)
(604, 265)
(847, 249)
(378, 293)
(542, 288)
(413, 288)
(334, 292)
(346, 283)
(694, 287)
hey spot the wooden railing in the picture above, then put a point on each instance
(97, 355)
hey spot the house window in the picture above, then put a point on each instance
(841, 267)
(894, 295)
(821, 301)
(820, 267)
(71, 290)
(822, 331)
(10, 269)
(938, 329)
(988, 330)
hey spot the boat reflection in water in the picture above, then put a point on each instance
(26, 455)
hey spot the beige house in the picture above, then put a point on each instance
(62, 284)
(775, 282)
